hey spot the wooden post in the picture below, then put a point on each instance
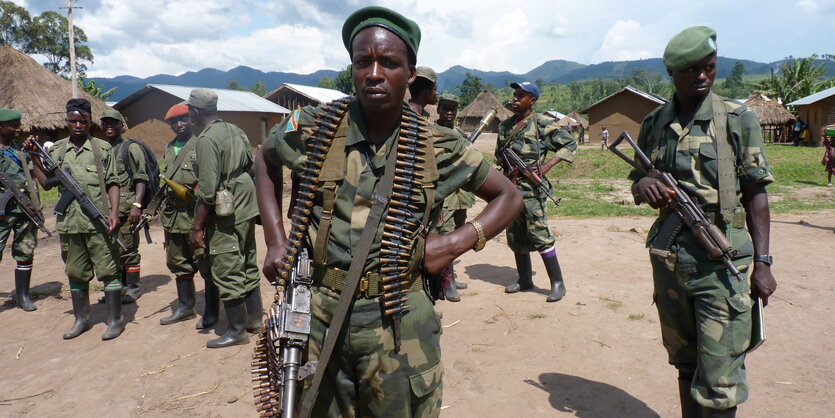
(73, 75)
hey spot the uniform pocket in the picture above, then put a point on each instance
(425, 383)
(740, 302)
(708, 162)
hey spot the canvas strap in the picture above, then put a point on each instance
(105, 197)
(382, 193)
(333, 171)
(725, 159)
(30, 183)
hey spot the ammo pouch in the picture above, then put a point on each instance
(224, 202)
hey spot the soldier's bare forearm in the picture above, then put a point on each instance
(758, 217)
(269, 187)
(503, 204)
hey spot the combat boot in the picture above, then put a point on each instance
(451, 290)
(254, 311)
(523, 266)
(718, 413)
(236, 329)
(115, 320)
(552, 266)
(185, 303)
(211, 309)
(689, 407)
(460, 285)
(131, 283)
(22, 279)
(81, 310)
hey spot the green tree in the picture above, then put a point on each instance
(343, 81)
(733, 86)
(96, 90)
(798, 77)
(259, 88)
(13, 23)
(470, 88)
(47, 36)
(234, 85)
(326, 83)
(645, 80)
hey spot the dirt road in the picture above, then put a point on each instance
(597, 353)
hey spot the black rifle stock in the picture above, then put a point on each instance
(513, 162)
(690, 213)
(12, 192)
(72, 191)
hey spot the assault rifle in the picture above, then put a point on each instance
(289, 325)
(485, 122)
(513, 162)
(686, 212)
(178, 190)
(12, 192)
(72, 191)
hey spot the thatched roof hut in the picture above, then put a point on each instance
(774, 118)
(470, 116)
(38, 93)
(574, 119)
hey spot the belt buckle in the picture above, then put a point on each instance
(362, 289)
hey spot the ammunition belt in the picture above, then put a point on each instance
(371, 285)
(266, 363)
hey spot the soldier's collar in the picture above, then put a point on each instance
(357, 131)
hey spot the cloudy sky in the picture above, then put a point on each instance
(147, 37)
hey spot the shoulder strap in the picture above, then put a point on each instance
(382, 193)
(30, 184)
(100, 172)
(725, 159)
(333, 171)
(178, 161)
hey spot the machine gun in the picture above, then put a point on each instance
(180, 192)
(72, 191)
(485, 122)
(12, 192)
(686, 212)
(513, 162)
(289, 327)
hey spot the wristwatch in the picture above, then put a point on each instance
(482, 240)
(137, 204)
(767, 259)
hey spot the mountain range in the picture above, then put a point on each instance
(555, 71)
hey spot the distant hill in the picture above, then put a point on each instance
(556, 71)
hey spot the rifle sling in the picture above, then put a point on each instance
(153, 206)
(105, 197)
(725, 160)
(30, 183)
(382, 193)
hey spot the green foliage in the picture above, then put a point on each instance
(644, 80)
(259, 88)
(344, 82)
(47, 36)
(13, 22)
(470, 88)
(234, 85)
(733, 86)
(96, 90)
(326, 83)
(798, 77)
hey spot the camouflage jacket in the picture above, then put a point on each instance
(136, 159)
(17, 172)
(689, 154)
(460, 199)
(459, 165)
(531, 138)
(177, 216)
(223, 150)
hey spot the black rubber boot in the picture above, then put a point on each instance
(451, 290)
(689, 407)
(131, 293)
(254, 311)
(552, 266)
(211, 311)
(115, 320)
(718, 413)
(81, 310)
(523, 266)
(235, 331)
(185, 303)
(22, 278)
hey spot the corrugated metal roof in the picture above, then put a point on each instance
(554, 113)
(227, 100)
(812, 98)
(321, 94)
(649, 96)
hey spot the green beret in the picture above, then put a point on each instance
(112, 114)
(203, 99)
(396, 23)
(689, 47)
(448, 98)
(7, 115)
(427, 73)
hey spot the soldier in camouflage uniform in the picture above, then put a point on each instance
(15, 163)
(177, 216)
(455, 205)
(367, 376)
(704, 311)
(224, 161)
(85, 246)
(132, 186)
(423, 90)
(531, 135)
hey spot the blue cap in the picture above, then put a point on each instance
(528, 87)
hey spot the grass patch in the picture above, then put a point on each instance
(538, 315)
(636, 317)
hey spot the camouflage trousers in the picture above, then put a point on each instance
(365, 376)
(86, 253)
(130, 257)
(706, 327)
(452, 220)
(25, 236)
(182, 259)
(529, 230)
(231, 256)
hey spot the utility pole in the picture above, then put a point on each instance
(73, 75)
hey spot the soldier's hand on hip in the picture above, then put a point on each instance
(763, 283)
(438, 253)
(272, 261)
(653, 192)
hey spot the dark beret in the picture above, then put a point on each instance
(388, 19)
(78, 105)
(689, 47)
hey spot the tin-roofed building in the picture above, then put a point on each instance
(292, 96)
(146, 108)
(621, 111)
(818, 111)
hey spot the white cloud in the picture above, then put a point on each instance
(626, 40)
(808, 6)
